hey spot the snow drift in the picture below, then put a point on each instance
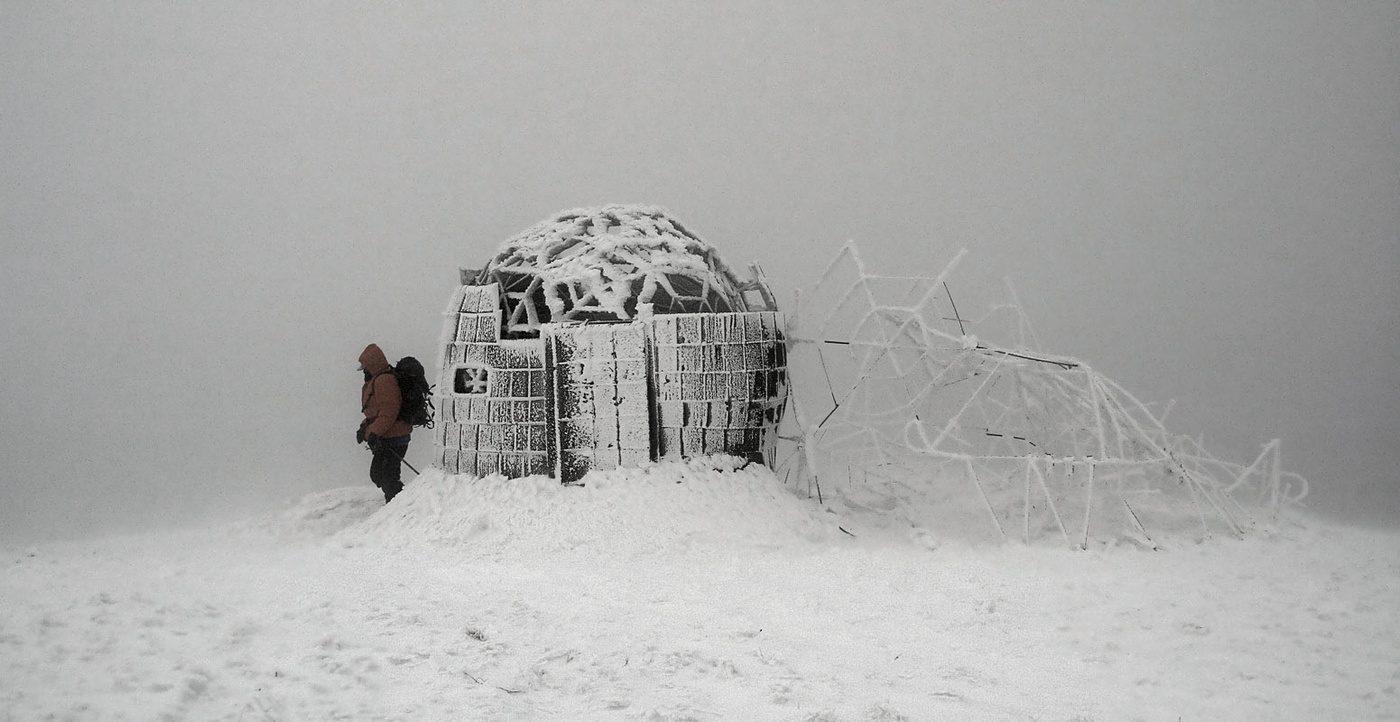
(659, 507)
(635, 597)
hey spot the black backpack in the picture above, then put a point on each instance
(415, 394)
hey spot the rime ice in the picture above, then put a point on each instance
(894, 393)
(605, 338)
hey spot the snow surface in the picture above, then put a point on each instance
(701, 591)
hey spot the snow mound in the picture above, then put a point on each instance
(701, 503)
(320, 515)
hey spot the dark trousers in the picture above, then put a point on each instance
(385, 467)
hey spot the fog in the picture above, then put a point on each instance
(209, 209)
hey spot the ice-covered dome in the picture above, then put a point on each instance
(603, 263)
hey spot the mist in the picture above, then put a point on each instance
(209, 210)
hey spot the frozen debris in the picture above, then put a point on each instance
(896, 398)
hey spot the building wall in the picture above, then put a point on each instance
(720, 382)
(600, 396)
(501, 424)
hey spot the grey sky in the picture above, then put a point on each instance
(209, 209)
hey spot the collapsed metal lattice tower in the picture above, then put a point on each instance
(896, 405)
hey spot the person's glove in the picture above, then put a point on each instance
(360, 432)
(373, 440)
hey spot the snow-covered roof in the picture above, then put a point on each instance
(600, 263)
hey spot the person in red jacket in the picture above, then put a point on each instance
(386, 434)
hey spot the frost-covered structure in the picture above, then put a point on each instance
(898, 406)
(604, 338)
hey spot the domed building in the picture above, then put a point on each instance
(607, 337)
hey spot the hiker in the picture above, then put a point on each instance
(386, 434)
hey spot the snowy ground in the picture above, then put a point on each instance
(685, 595)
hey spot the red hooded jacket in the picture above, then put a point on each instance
(379, 398)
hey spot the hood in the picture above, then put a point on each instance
(373, 361)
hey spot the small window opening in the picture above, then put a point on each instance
(470, 380)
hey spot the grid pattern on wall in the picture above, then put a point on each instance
(599, 376)
(497, 423)
(720, 383)
(604, 395)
